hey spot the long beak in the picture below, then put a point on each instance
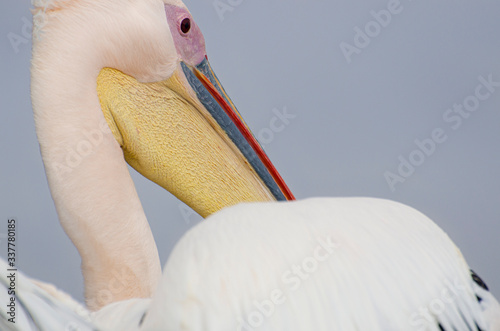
(186, 135)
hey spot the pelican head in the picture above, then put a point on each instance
(183, 132)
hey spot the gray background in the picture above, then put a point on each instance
(353, 120)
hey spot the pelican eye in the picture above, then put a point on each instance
(185, 25)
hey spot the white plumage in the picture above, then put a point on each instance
(385, 265)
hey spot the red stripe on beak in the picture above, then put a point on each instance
(246, 133)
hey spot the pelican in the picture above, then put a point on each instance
(119, 81)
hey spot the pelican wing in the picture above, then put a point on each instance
(38, 307)
(319, 264)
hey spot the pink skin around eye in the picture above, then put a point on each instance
(191, 45)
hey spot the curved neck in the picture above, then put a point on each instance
(94, 194)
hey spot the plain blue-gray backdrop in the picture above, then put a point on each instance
(356, 117)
